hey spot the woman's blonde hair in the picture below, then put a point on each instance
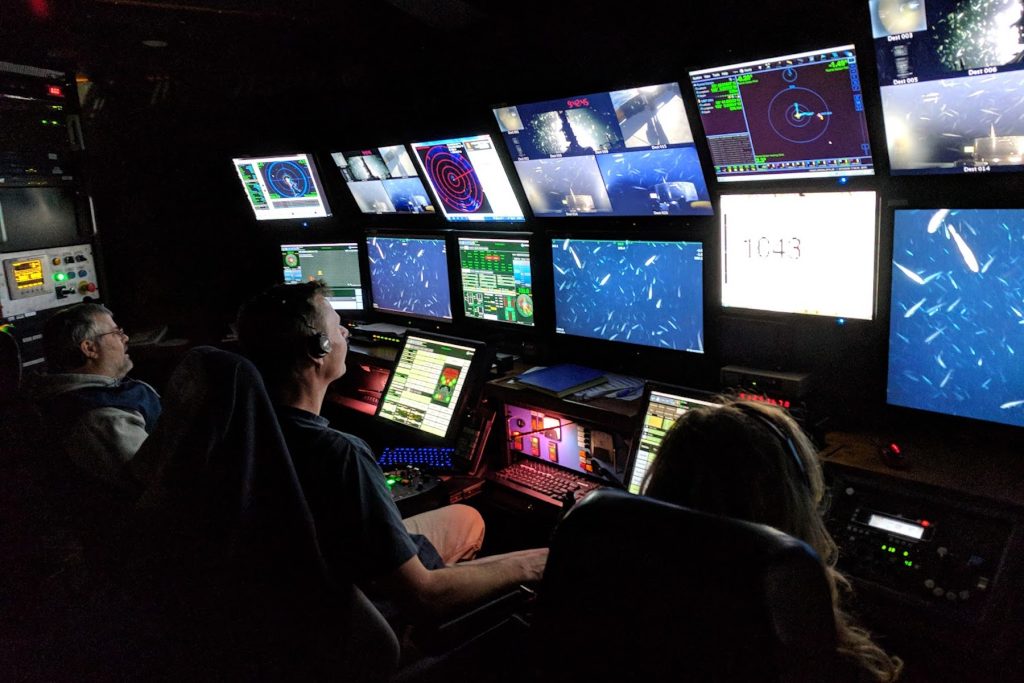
(753, 462)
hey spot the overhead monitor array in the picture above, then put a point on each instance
(279, 187)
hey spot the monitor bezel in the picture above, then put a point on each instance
(404, 317)
(493, 326)
(314, 173)
(388, 215)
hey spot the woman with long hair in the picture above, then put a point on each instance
(752, 462)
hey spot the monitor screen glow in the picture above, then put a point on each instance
(785, 117)
(336, 264)
(384, 180)
(497, 279)
(468, 179)
(409, 276)
(957, 313)
(621, 153)
(282, 187)
(663, 409)
(810, 253)
(951, 75)
(636, 292)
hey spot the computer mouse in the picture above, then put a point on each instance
(894, 456)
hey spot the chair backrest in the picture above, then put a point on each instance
(638, 589)
(229, 534)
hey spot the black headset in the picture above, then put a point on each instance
(785, 440)
(318, 345)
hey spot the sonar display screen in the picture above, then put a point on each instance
(468, 179)
(952, 79)
(621, 153)
(383, 180)
(957, 317)
(409, 275)
(282, 187)
(637, 292)
(785, 117)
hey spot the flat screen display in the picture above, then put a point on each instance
(336, 264)
(785, 117)
(384, 180)
(957, 315)
(497, 279)
(810, 253)
(429, 378)
(282, 187)
(409, 275)
(620, 153)
(952, 77)
(637, 292)
(468, 179)
(664, 407)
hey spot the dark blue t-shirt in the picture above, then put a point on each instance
(359, 527)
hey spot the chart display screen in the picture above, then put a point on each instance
(951, 74)
(497, 280)
(383, 180)
(785, 117)
(663, 409)
(282, 187)
(956, 326)
(335, 264)
(620, 153)
(425, 387)
(409, 275)
(638, 292)
(468, 179)
(810, 253)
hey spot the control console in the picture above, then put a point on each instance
(415, 491)
(40, 279)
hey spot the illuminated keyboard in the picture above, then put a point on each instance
(424, 457)
(535, 477)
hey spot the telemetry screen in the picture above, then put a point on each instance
(637, 292)
(663, 409)
(621, 153)
(468, 179)
(785, 117)
(951, 74)
(335, 264)
(426, 384)
(808, 253)
(957, 313)
(497, 283)
(409, 275)
(282, 187)
(383, 180)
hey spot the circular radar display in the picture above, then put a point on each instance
(524, 304)
(291, 259)
(454, 179)
(288, 179)
(799, 115)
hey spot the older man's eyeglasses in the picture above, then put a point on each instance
(117, 330)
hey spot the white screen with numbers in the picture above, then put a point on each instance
(809, 253)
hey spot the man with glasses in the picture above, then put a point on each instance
(98, 415)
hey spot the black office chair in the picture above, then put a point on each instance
(640, 590)
(222, 578)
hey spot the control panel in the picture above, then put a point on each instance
(40, 279)
(930, 550)
(415, 491)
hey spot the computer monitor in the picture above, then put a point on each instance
(281, 187)
(384, 180)
(337, 264)
(956, 313)
(664, 405)
(497, 278)
(550, 437)
(793, 116)
(468, 179)
(409, 276)
(431, 380)
(810, 253)
(951, 76)
(621, 153)
(643, 292)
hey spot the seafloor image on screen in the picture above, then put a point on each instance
(956, 125)
(957, 319)
(652, 116)
(408, 195)
(410, 276)
(566, 185)
(662, 181)
(372, 197)
(648, 293)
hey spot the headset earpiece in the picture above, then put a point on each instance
(319, 345)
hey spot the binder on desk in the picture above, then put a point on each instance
(561, 380)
